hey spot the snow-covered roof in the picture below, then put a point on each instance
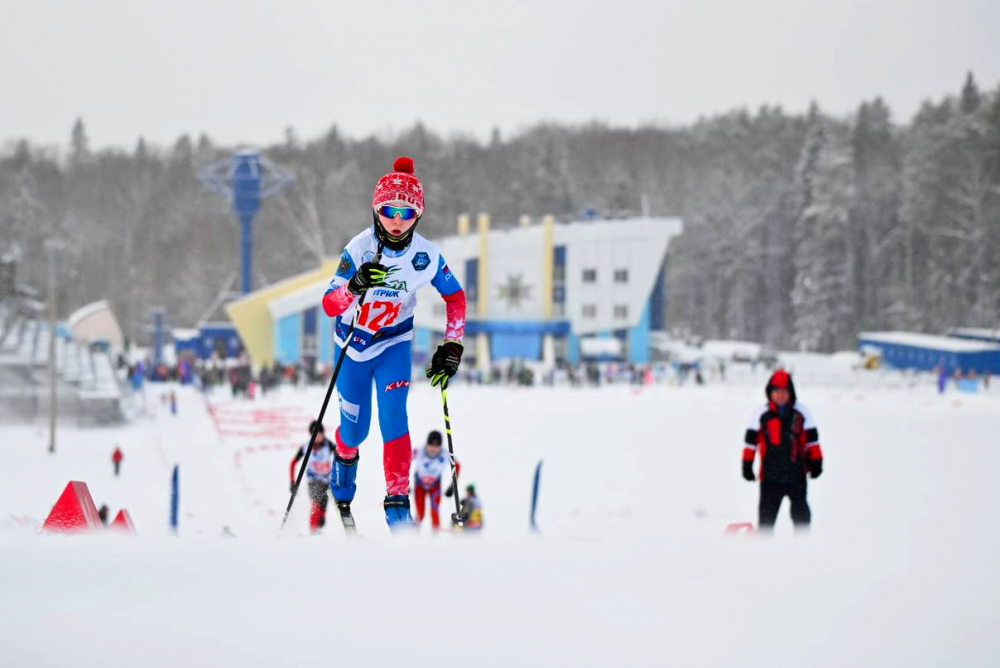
(976, 333)
(304, 298)
(732, 349)
(86, 311)
(179, 334)
(929, 341)
(595, 345)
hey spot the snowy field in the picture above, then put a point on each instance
(630, 568)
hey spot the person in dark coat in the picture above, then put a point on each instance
(783, 433)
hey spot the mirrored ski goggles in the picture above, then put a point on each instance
(404, 212)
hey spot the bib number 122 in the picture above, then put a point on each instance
(376, 315)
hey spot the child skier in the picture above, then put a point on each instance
(472, 510)
(387, 263)
(784, 434)
(318, 474)
(429, 464)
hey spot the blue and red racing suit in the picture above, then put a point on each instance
(381, 347)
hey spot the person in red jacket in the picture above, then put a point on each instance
(785, 436)
(116, 459)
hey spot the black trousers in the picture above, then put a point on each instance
(771, 494)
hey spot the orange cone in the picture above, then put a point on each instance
(123, 522)
(739, 527)
(74, 511)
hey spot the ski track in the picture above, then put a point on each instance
(630, 567)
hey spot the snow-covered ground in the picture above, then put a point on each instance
(630, 567)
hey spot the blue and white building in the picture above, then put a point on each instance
(557, 291)
(548, 292)
(926, 352)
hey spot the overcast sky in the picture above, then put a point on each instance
(243, 70)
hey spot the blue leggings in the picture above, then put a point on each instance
(391, 371)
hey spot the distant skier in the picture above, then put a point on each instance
(173, 403)
(430, 463)
(116, 459)
(782, 431)
(388, 262)
(318, 474)
(472, 510)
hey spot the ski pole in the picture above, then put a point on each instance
(457, 518)
(326, 400)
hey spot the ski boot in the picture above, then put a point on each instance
(397, 512)
(342, 484)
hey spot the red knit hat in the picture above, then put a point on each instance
(400, 186)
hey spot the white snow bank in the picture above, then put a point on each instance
(630, 569)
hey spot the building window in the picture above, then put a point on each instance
(589, 275)
(621, 275)
(310, 337)
(590, 310)
(472, 285)
(621, 311)
(559, 281)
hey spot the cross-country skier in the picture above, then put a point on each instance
(388, 262)
(318, 474)
(429, 465)
(783, 432)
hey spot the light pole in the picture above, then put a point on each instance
(246, 178)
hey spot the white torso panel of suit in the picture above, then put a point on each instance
(320, 464)
(428, 470)
(386, 317)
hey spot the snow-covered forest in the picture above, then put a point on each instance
(801, 229)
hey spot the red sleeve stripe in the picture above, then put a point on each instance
(455, 305)
(335, 302)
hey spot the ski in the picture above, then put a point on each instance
(347, 519)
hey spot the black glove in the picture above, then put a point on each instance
(815, 467)
(368, 275)
(445, 363)
(450, 492)
(748, 471)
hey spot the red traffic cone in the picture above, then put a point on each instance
(74, 511)
(123, 522)
(739, 527)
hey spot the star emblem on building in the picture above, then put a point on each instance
(515, 291)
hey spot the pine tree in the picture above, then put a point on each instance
(79, 147)
(877, 241)
(823, 291)
(971, 99)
